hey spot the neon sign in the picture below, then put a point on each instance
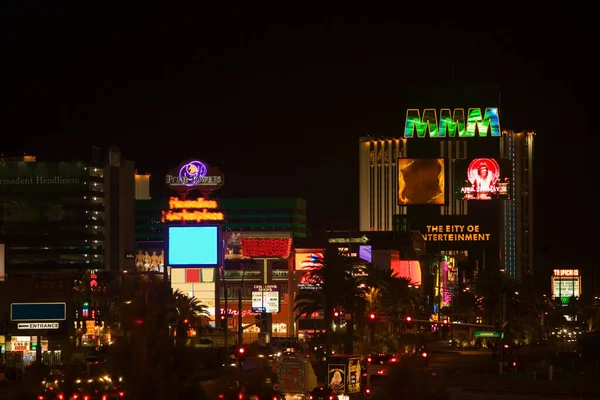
(452, 123)
(192, 211)
(566, 272)
(194, 175)
(191, 173)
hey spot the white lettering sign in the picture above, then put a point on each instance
(41, 325)
(39, 180)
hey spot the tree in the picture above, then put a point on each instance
(338, 288)
(192, 309)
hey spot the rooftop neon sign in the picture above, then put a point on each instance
(452, 124)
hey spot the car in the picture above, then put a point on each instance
(257, 390)
(322, 393)
(379, 364)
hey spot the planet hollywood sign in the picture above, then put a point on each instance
(194, 175)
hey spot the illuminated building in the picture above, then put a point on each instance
(66, 216)
(258, 236)
(467, 140)
(269, 215)
(517, 227)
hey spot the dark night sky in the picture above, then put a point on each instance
(279, 103)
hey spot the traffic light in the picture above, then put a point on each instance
(372, 317)
(408, 319)
(336, 314)
(85, 309)
(241, 353)
(223, 321)
(409, 322)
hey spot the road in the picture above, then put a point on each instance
(447, 361)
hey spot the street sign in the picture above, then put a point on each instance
(382, 318)
(486, 334)
(38, 312)
(265, 298)
(41, 325)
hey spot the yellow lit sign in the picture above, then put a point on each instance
(455, 233)
(192, 211)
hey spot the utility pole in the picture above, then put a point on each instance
(501, 366)
(225, 314)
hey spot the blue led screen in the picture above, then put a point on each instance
(193, 245)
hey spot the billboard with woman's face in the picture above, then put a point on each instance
(483, 179)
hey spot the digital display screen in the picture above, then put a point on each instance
(483, 179)
(421, 181)
(193, 245)
(364, 253)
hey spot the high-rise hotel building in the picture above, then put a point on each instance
(379, 181)
(66, 216)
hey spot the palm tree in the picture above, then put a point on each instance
(338, 289)
(192, 309)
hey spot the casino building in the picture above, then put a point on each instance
(258, 236)
(425, 179)
(67, 216)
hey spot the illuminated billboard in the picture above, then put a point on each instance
(193, 246)
(365, 253)
(307, 260)
(241, 245)
(566, 283)
(452, 124)
(421, 181)
(483, 179)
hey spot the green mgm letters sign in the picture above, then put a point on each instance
(452, 125)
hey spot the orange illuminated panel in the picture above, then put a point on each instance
(178, 211)
(308, 259)
(178, 204)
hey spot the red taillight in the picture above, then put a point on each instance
(514, 364)
(310, 397)
(394, 359)
(424, 355)
(369, 359)
(86, 397)
(330, 397)
(506, 346)
(40, 397)
(121, 394)
(241, 396)
(221, 396)
(75, 396)
(61, 396)
(275, 397)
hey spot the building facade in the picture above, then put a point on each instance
(508, 218)
(65, 216)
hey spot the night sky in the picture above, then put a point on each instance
(278, 103)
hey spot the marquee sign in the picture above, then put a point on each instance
(452, 125)
(194, 175)
(192, 211)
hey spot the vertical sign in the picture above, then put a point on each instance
(2, 258)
